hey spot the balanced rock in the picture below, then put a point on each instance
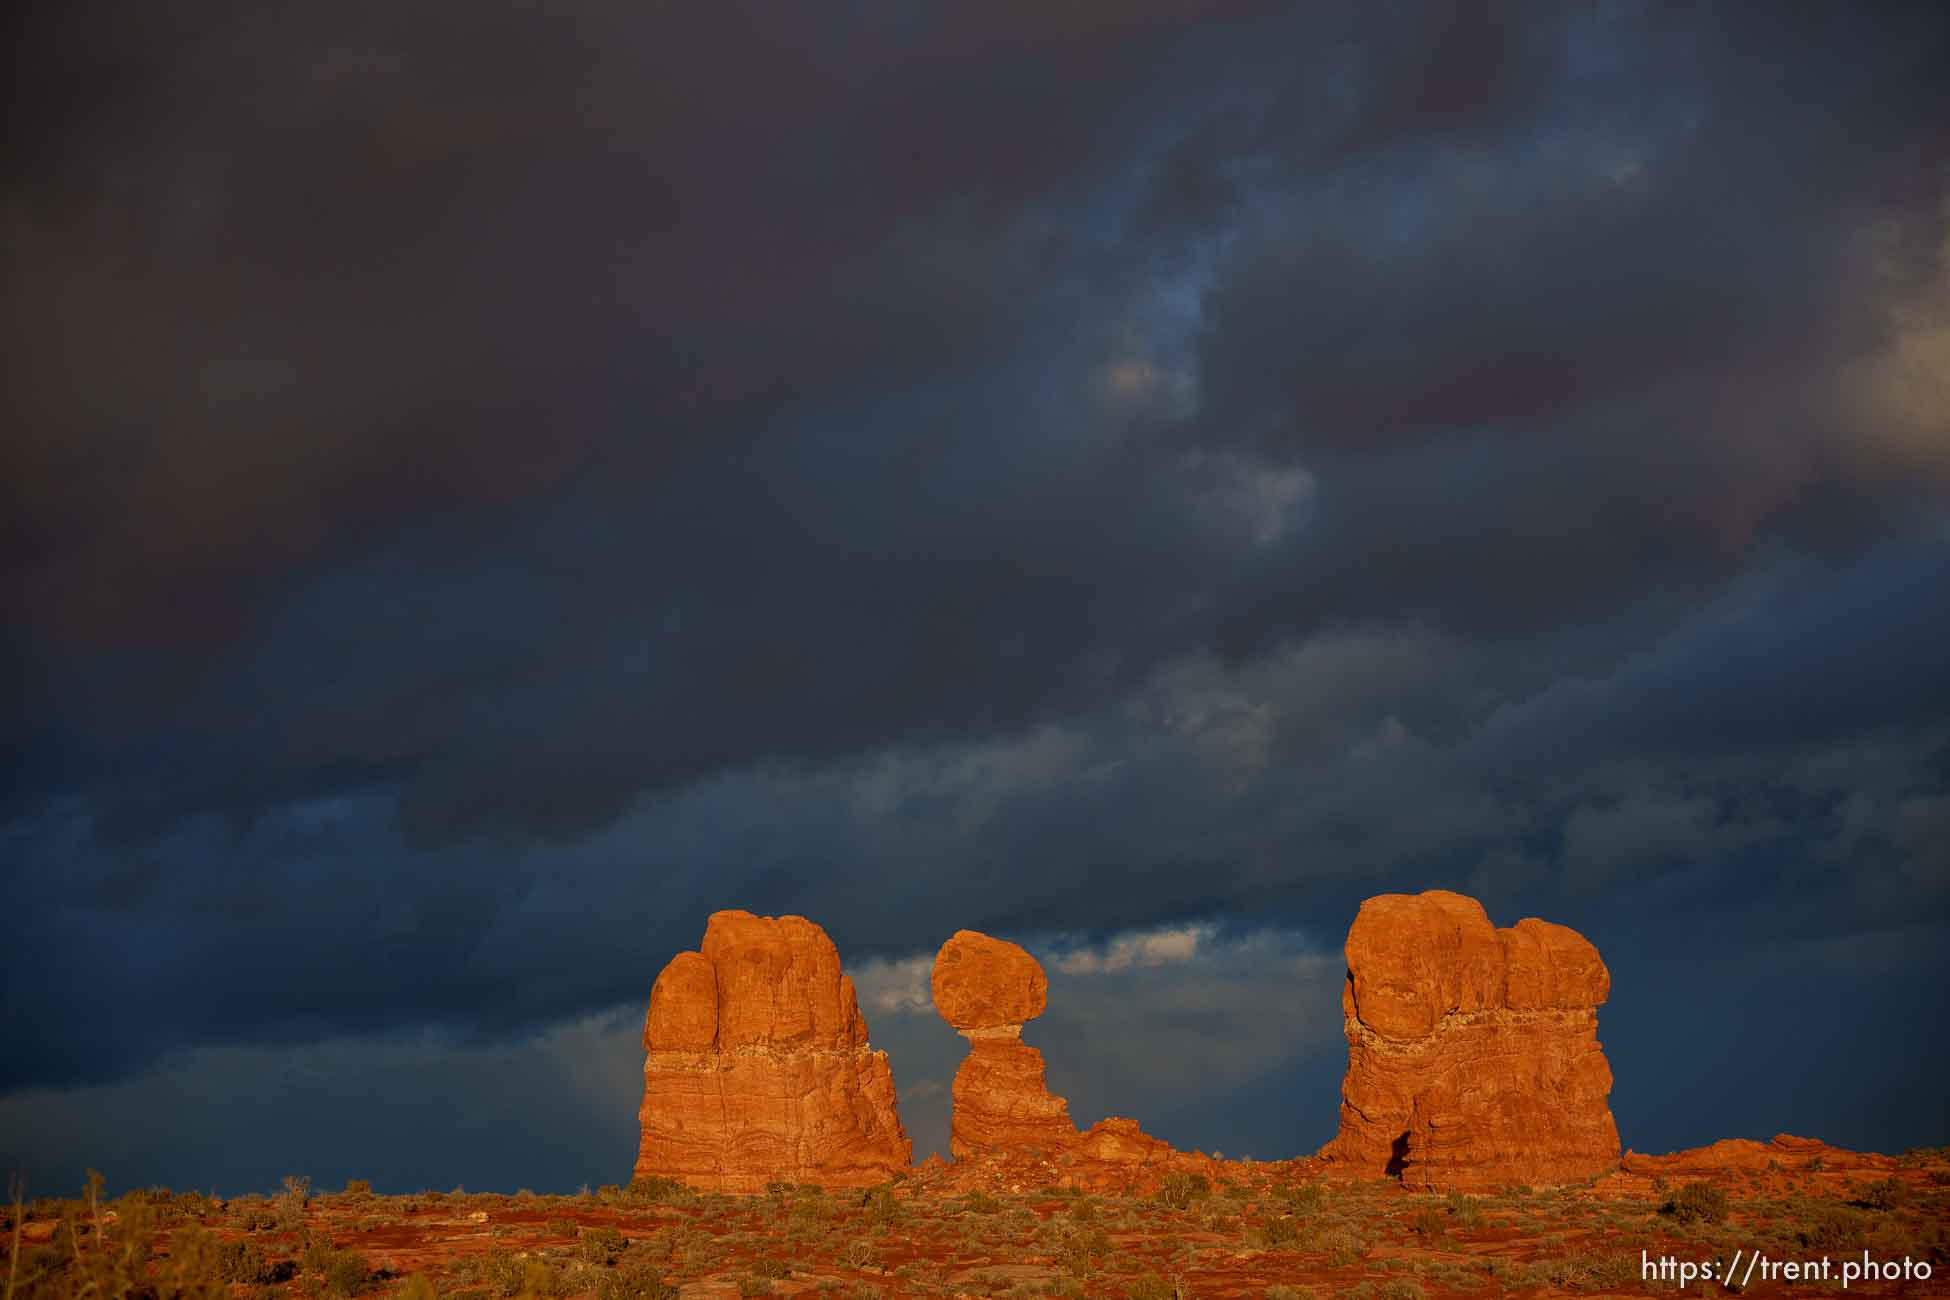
(986, 988)
(757, 1066)
(1473, 1056)
(1003, 1108)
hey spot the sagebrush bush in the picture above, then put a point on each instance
(1697, 1203)
(880, 1205)
(1180, 1189)
(653, 1189)
(1888, 1194)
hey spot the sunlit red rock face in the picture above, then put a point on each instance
(1473, 1055)
(757, 1066)
(986, 988)
(1785, 1153)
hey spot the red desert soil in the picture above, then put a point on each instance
(996, 1228)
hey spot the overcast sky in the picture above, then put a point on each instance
(486, 485)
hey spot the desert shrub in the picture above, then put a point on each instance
(749, 1285)
(634, 1279)
(1697, 1203)
(1464, 1210)
(859, 1254)
(345, 1273)
(189, 1271)
(880, 1205)
(1151, 1286)
(652, 1189)
(1428, 1222)
(1276, 1233)
(1079, 1255)
(1083, 1210)
(812, 1210)
(980, 1202)
(418, 1287)
(1179, 1190)
(256, 1218)
(1400, 1289)
(242, 1261)
(1827, 1226)
(358, 1187)
(1888, 1194)
(560, 1227)
(1342, 1246)
(771, 1268)
(1282, 1292)
(600, 1246)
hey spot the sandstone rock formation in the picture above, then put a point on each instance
(757, 1066)
(1473, 1058)
(987, 988)
(1786, 1153)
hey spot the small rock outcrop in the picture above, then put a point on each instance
(987, 988)
(1473, 1057)
(757, 1066)
(1787, 1153)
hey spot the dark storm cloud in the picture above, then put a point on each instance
(480, 495)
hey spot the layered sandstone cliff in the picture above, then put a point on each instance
(1473, 1057)
(757, 1066)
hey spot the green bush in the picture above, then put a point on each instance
(653, 1188)
(358, 1187)
(1152, 1286)
(242, 1261)
(881, 1205)
(600, 1246)
(1828, 1226)
(1180, 1189)
(1888, 1194)
(634, 1278)
(1697, 1203)
(346, 1273)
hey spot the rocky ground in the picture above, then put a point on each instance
(993, 1229)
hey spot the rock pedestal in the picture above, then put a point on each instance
(987, 988)
(1473, 1057)
(757, 1066)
